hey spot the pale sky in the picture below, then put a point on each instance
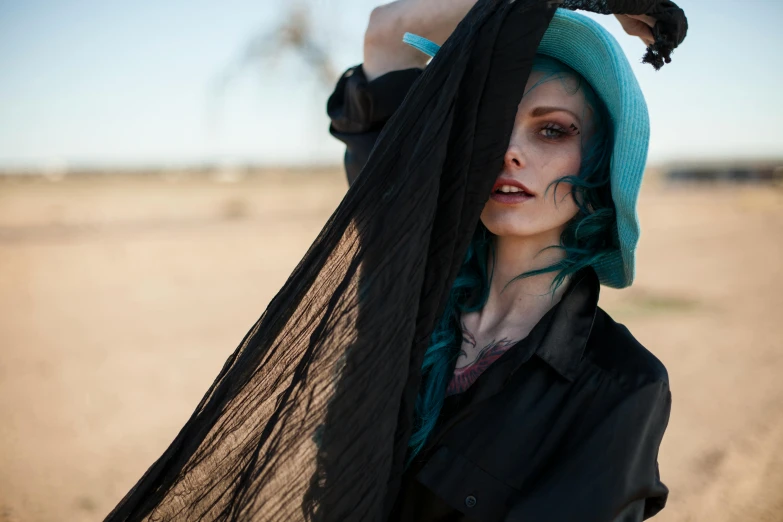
(88, 82)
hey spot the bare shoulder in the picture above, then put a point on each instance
(615, 350)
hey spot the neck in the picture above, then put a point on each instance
(521, 303)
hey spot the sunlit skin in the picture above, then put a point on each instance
(546, 144)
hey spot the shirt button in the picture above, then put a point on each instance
(470, 501)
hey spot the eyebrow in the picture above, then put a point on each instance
(542, 111)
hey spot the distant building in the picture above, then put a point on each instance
(739, 171)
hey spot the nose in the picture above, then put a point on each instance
(513, 160)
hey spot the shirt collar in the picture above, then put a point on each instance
(569, 329)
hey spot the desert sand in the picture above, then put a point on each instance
(121, 296)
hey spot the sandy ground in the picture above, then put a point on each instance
(120, 299)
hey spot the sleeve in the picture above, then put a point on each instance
(359, 109)
(610, 473)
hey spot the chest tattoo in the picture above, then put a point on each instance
(465, 376)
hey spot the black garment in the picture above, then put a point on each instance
(564, 426)
(359, 109)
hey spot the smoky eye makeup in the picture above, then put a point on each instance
(554, 131)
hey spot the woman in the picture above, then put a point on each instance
(549, 220)
(404, 372)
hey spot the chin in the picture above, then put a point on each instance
(503, 226)
(515, 232)
(503, 222)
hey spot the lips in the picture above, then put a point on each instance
(512, 183)
(510, 198)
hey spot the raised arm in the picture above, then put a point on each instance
(367, 95)
(432, 19)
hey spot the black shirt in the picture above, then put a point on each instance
(564, 426)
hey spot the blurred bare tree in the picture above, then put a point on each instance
(293, 33)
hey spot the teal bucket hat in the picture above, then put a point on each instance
(589, 49)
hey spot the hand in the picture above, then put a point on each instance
(638, 25)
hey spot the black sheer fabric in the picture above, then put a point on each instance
(309, 418)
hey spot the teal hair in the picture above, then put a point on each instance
(587, 239)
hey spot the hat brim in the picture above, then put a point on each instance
(588, 48)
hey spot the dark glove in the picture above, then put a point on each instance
(669, 31)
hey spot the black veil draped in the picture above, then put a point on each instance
(309, 418)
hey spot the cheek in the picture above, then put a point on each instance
(558, 203)
(555, 162)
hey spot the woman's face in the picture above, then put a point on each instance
(545, 145)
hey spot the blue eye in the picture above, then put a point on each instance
(553, 131)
